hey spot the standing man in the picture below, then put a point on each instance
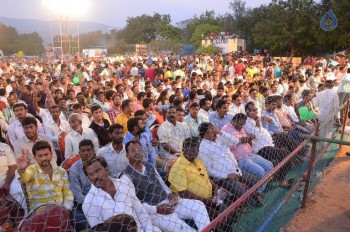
(328, 103)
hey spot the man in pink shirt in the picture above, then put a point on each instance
(247, 161)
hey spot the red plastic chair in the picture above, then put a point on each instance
(69, 161)
(62, 144)
(47, 217)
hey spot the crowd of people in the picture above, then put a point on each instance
(155, 143)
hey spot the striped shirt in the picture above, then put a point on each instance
(42, 190)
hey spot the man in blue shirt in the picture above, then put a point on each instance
(79, 182)
(220, 117)
(136, 130)
(270, 122)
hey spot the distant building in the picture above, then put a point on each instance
(226, 44)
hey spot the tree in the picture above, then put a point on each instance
(145, 28)
(211, 49)
(11, 42)
(202, 31)
(160, 46)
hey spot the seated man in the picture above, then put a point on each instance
(221, 164)
(189, 178)
(77, 134)
(24, 145)
(264, 144)
(137, 130)
(270, 122)
(194, 119)
(79, 182)
(171, 137)
(99, 125)
(165, 210)
(289, 107)
(55, 127)
(45, 182)
(11, 193)
(109, 197)
(15, 129)
(126, 113)
(249, 162)
(114, 153)
(220, 117)
(286, 121)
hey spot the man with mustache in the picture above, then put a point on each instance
(79, 182)
(46, 183)
(77, 134)
(137, 130)
(114, 152)
(109, 197)
(171, 136)
(166, 210)
(24, 145)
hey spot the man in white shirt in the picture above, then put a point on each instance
(236, 105)
(194, 119)
(8, 183)
(204, 105)
(328, 103)
(109, 197)
(77, 134)
(221, 165)
(55, 127)
(15, 130)
(45, 113)
(86, 122)
(288, 106)
(171, 135)
(25, 144)
(114, 152)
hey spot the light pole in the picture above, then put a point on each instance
(65, 27)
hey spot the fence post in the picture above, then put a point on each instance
(345, 117)
(309, 169)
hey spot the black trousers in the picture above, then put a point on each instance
(235, 186)
(276, 155)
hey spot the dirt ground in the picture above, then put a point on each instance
(328, 209)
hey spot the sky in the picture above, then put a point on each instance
(115, 12)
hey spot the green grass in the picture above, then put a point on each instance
(253, 219)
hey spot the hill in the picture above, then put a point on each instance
(44, 27)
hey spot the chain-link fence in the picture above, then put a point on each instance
(304, 167)
(234, 176)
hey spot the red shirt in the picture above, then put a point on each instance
(239, 68)
(151, 73)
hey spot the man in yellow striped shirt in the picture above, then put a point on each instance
(46, 183)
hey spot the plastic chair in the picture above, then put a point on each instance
(62, 144)
(69, 161)
(47, 217)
